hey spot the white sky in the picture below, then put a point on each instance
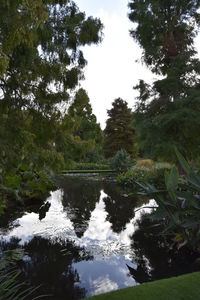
(112, 70)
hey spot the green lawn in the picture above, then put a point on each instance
(186, 287)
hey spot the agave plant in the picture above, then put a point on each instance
(179, 204)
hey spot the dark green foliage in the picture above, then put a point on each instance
(83, 121)
(21, 185)
(120, 131)
(165, 125)
(179, 205)
(95, 156)
(40, 65)
(166, 31)
(41, 71)
(19, 22)
(79, 135)
(143, 175)
(121, 161)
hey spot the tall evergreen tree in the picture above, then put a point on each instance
(85, 122)
(120, 131)
(79, 134)
(40, 64)
(168, 112)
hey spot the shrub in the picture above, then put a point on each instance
(24, 184)
(120, 161)
(179, 204)
(144, 175)
(94, 156)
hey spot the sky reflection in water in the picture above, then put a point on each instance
(98, 238)
(110, 250)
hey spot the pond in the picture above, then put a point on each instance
(89, 238)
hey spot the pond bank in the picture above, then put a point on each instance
(183, 287)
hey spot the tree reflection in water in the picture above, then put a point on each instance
(119, 206)
(80, 198)
(157, 256)
(98, 216)
(49, 265)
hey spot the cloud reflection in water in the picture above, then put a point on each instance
(99, 237)
(111, 250)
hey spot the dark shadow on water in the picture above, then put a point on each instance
(119, 206)
(49, 265)
(79, 200)
(157, 257)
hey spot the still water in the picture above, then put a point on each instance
(90, 238)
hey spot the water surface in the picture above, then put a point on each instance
(87, 239)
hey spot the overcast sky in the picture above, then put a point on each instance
(112, 70)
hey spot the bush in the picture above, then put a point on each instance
(179, 205)
(24, 184)
(132, 177)
(121, 161)
(94, 157)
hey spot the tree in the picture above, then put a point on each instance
(80, 133)
(85, 122)
(19, 21)
(40, 66)
(120, 132)
(166, 30)
(40, 42)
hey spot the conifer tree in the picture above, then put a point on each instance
(84, 121)
(80, 134)
(120, 132)
(168, 112)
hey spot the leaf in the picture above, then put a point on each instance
(194, 180)
(159, 214)
(171, 179)
(190, 223)
(184, 164)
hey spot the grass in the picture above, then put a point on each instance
(185, 287)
